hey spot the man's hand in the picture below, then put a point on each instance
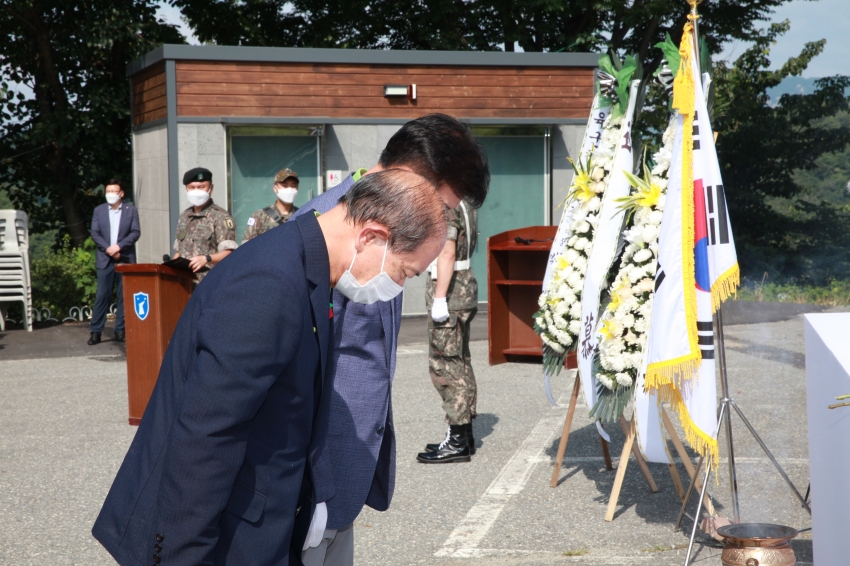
(197, 263)
(317, 526)
(440, 310)
(114, 251)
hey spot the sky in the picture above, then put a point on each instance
(810, 21)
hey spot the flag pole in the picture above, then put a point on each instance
(694, 18)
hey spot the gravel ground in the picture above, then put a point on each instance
(63, 434)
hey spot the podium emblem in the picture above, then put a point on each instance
(141, 304)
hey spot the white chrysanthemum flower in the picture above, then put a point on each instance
(562, 308)
(642, 255)
(605, 380)
(571, 255)
(651, 267)
(598, 174)
(640, 325)
(571, 242)
(630, 304)
(646, 285)
(655, 217)
(575, 327)
(594, 204)
(635, 273)
(581, 226)
(629, 320)
(575, 310)
(624, 379)
(649, 233)
(618, 363)
(661, 200)
(630, 337)
(574, 279)
(581, 264)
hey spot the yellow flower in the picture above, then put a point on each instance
(581, 188)
(562, 263)
(616, 301)
(647, 198)
(605, 330)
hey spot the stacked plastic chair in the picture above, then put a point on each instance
(15, 285)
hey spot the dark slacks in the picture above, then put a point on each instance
(106, 279)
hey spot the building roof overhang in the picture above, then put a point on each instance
(358, 57)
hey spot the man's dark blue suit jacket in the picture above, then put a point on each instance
(128, 233)
(222, 459)
(358, 457)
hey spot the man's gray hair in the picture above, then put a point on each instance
(407, 204)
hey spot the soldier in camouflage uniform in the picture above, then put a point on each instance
(205, 232)
(286, 189)
(452, 299)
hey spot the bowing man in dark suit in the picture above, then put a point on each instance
(223, 468)
(115, 230)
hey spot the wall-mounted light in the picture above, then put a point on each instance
(400, 90)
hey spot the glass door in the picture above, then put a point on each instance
(519, 186)
(257, 153)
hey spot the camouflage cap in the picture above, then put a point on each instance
(284, 174)
(197, 175)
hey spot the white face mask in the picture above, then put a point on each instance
(287, 194)
(112, 198)
(197, 197)
(379, 288)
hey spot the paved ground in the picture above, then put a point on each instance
(63, 434)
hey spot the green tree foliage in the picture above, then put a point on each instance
(65, 103)
(536, 25)
(784, 220)
(65, 278)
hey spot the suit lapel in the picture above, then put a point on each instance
(318, 274)
(124, 224)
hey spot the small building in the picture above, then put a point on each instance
(246, 112)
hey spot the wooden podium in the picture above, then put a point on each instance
(515, 273)
(154, 298)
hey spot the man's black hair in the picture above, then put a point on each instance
(441, 149)
(114, 181)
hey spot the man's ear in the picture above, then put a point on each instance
(370, 233)
(211, 188)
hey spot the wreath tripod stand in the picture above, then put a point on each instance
(724, 418)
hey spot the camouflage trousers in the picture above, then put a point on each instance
(450, 365)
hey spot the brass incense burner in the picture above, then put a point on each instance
(757, 544)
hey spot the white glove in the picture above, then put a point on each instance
(317, 526)
(440, 310)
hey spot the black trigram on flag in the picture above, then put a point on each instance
(705, 332)
(696, 130)
(718, 222)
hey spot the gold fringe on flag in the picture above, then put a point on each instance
(725, 286)
(701, 442)
(678, 370)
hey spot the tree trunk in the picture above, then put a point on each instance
(74, 222)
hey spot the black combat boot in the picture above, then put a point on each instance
(94, 338)
(471, 439)
(455, 448)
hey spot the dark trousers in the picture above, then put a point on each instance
(106, 278)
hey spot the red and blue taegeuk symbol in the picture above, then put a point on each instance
(701, 275)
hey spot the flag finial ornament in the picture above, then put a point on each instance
(693, 15)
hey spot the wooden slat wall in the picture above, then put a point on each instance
(149, 95)
(357, 91)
